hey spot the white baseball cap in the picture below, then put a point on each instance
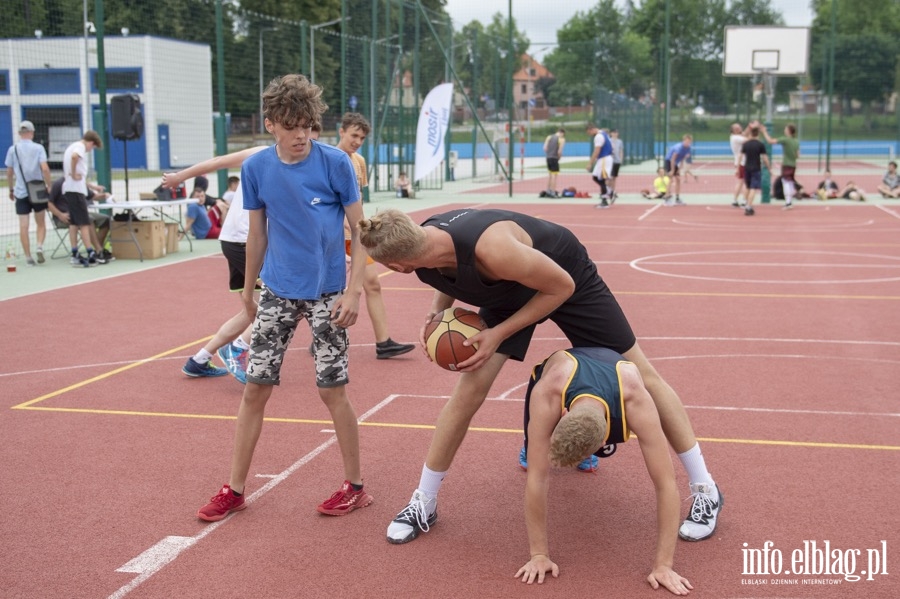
(26, 126)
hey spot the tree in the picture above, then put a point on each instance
(866, 49)
(596, 47)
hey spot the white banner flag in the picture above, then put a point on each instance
(433, 123)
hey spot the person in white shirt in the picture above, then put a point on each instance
(736, 141)
(75, 190)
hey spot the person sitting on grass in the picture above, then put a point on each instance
(660, 187)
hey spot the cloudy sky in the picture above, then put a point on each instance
(541, 18)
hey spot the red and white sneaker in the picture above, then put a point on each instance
(345, 501)
(221, 504)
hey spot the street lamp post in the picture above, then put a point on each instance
(262, 127)
(312, 47)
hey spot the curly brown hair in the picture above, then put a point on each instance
(391, 236)
(577, 435)
(292, 101)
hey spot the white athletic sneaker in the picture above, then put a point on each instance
(419, 515)
(701, 522)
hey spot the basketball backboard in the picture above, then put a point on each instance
(773, 50)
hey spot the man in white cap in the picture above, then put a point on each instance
(27, 161)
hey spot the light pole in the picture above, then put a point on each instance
(312, 47)
(262, 126)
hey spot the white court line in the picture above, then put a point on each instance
(888, 210)
(650, 211)
(165, 552)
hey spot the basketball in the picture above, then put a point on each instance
(445, 334)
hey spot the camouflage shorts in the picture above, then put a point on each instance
(276, 321)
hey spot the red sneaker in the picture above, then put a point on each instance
(221, 504)
(345, 501)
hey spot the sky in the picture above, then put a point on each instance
(540, 19)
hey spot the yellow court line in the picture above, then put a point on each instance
(105, 375)
(479, 429)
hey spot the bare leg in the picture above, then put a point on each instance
(453, 421)
(246, 434)
(23, 234)
(375, 303)
(346, 429)
(230, 329)
(672, 415)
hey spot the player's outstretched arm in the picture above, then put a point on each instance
(643, 420)
(233, 160)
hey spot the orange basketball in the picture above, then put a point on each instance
(445, 334)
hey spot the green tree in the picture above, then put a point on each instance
(597, 47)
(866, 50)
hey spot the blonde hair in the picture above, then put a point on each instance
(577, 435)
(293, 101)
(391, 236)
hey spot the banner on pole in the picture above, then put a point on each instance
(434, 120)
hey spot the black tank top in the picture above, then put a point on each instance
(466, 227)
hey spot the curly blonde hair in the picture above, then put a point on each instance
(292, 101)
(577, 435)
(391, 236)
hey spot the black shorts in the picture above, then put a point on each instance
(615, 169)
(669, 170)
(78, 212)
(24, 206)
(236, 255)
(590, 318)
(553, 165)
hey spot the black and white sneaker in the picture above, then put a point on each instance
(749, 211)
(390, 348)
(701, 522)
(604, 203)
(419, 515)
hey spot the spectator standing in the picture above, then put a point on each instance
(27, 161)
(553, 150)
(678, 154)
(618, 147)
(75, 189)
(736, 142)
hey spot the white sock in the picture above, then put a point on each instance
(239, 342)
(695, 465)
(202, 357)
(430, 483)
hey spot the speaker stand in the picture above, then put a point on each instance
(125, 144)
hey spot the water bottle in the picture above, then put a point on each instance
(10, 258)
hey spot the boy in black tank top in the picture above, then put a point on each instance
(520, 271)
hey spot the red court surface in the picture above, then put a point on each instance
(779, 332)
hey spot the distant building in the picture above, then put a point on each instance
(524, 80)
(52, 82)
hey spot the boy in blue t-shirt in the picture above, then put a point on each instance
(298, 193)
